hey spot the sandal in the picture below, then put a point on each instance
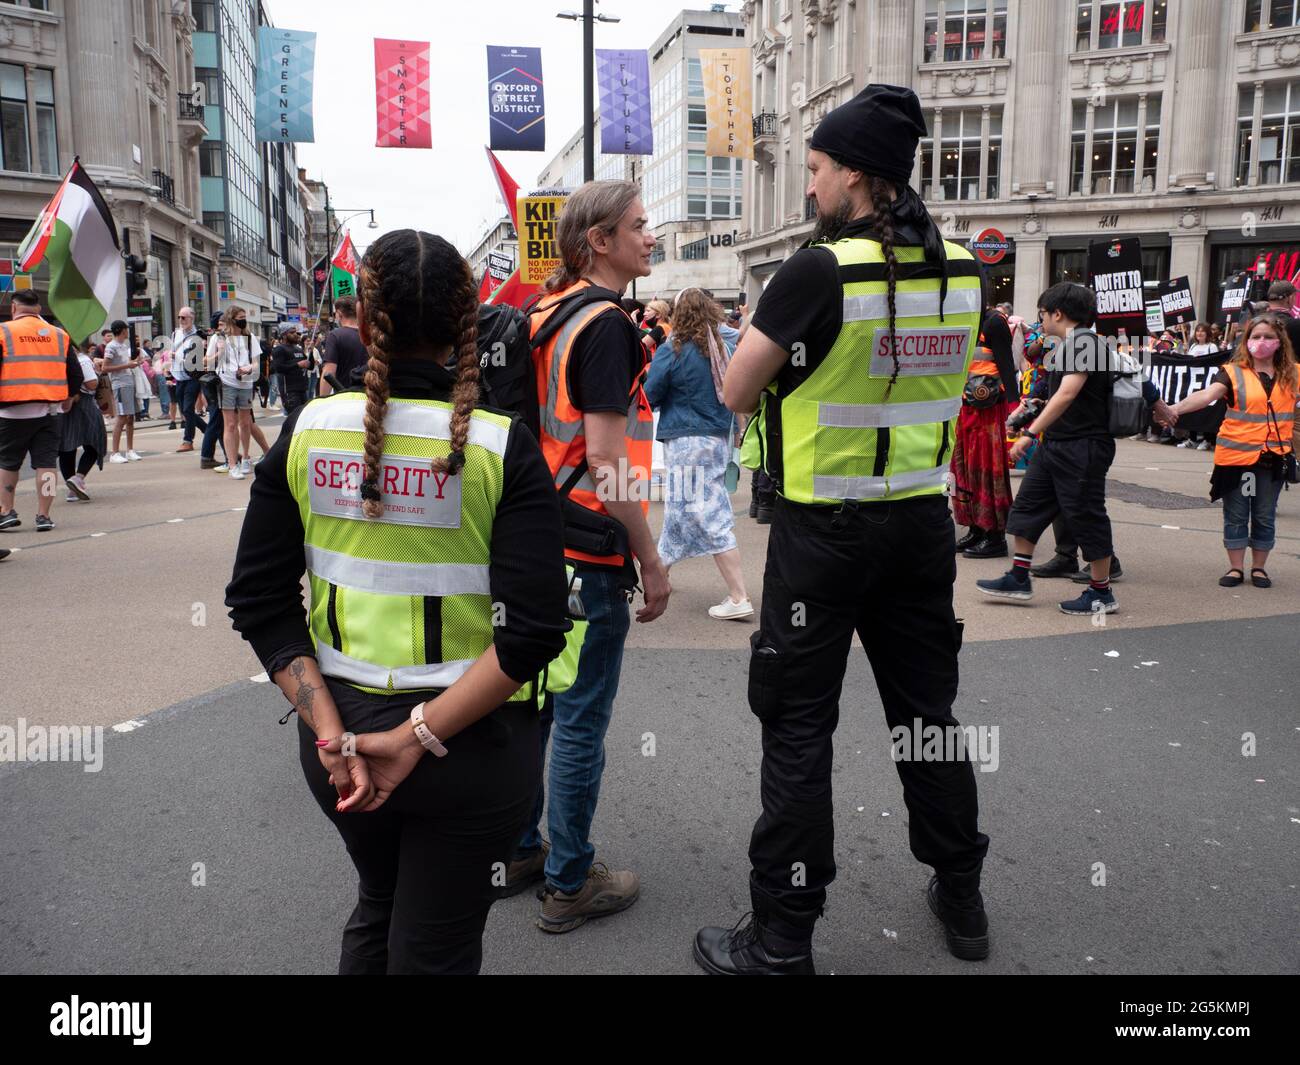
(1262, 580)
(1228, 580)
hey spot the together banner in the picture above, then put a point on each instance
(1178, 376)
(728, 109)
(624, 80)
(516, 110)
(402, 94)
(286, 61)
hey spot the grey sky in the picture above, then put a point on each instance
(447, 190)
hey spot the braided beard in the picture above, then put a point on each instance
(831, 228)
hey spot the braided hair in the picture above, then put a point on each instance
(417, 296)
(882, 191)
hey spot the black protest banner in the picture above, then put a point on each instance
(1178, 376)
(1115, 274)
(1176, 301)
(500, 266)
(1235, 290)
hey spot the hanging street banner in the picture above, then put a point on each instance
(1176, 302)
(623, 78)
(402, 94)
(1115, 275)
(516, 110)
(1178, 376)
(727, 106)
(539, 248)
(286, 61)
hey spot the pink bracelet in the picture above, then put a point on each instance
(424, 734)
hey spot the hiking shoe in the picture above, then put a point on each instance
(1008, 586)
(602, 893)
(117, 456)
(77, 486)
(44, 523)
(730, 610)
(753, 949)
(1091, 602)
(524, 871)
(1057, 566)
(966, 928)
(1085, 574)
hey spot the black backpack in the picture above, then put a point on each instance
(505, 350)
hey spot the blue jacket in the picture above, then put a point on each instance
(680, 387)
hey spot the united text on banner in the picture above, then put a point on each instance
(727, 102)
(402, 94)
(539, 246)
(286, 62)
(1178, 376)
(516, 110)
(624, 80)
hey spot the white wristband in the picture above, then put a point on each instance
(427, 739)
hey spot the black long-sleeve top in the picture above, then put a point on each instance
(525, 570)
(284, 361)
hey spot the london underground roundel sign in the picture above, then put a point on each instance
(990, 246)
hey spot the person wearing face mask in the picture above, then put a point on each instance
(1254, 445)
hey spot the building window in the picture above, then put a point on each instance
(697, 128)
(1280, 14)
(1279, 133)
(696, 249)
(972, 29)
(21, 148)
(961, 148)
(210, 79)
(1119, 23)
(826, 53)
(694, 80)
(47, 151)
(205, 14)
(210, 156)
(1120, 156)
(657, 256)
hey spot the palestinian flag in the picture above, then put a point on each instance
(76, 234)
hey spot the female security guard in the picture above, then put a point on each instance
(430, 532)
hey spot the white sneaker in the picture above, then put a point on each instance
(245, 467)
(132, 456)
(237, 474)
(223, 468)
(117, 456)
(1152, 437)
(72, 497)
(77, 487)
(1204, 445)
(730, 610)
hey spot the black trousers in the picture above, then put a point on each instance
(886, 571)
(69, 466)
(1066, 483)
(291, 401)
(431, 858)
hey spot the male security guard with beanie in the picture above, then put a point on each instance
(859, 348)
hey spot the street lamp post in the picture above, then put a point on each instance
(589, 19)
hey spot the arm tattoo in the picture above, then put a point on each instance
(306, 691)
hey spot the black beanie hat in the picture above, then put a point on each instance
(875, 132)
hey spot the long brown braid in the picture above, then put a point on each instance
(881, 191)
(417, 294)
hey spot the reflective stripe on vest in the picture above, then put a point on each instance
(1248, 427)
(840, 436)
(28, 373)
(397, 606)
(563, 440)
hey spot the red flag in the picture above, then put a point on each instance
(513, 291)
(485, 287)
(345, 255)
(402, 94)
(508, 186)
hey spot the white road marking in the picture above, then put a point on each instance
(1175, 745)
(128, 726)
(93, 535)
(174, 521)
(1112, 654)
(1175, 528)
(261, 678)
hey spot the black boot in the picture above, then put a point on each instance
(994, 545)
(1085, 575)
(763, 515)
(754, 948)
(1057, 566)
(753, 507)
(965, 927)
(974, 536)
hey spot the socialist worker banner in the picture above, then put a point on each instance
(624, 80)
(539, 246)
(286, 61)
(402, 94)
(516, 110)
(728, 109)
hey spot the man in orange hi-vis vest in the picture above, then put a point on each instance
(39, 371)
(596, 434)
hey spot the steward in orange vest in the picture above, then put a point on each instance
(591, 535)
(1257, 421)
(34, 366)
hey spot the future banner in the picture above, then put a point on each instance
(1176, 304)
(286, 62)
(1115, 274)
(539, 248)
(1178, 376)
(516, 110)
(624, 80)
(728, 110)
(402, 94)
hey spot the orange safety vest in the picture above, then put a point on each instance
(562, 438)
(35, 365)
(1256, 422)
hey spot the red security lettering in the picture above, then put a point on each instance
(352, 474)
(440, 482)
(336, 469)
(420, 475)
(319, 479)
(390, 480)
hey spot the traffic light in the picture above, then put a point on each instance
(137, 281)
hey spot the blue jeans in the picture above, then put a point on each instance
(1249, 519)
(186, 393)
(577, 734)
